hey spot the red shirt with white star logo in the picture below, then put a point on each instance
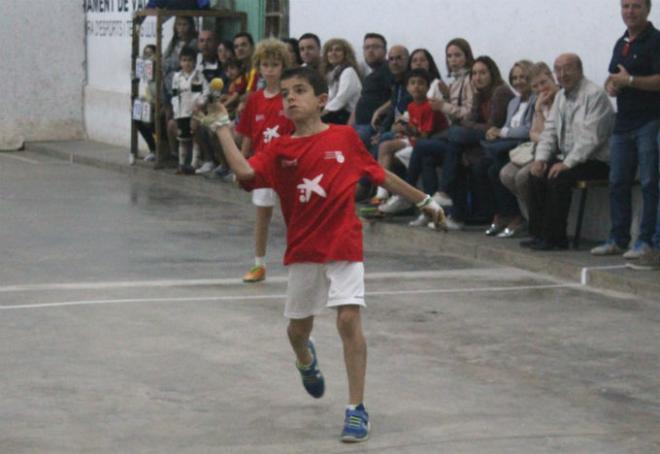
(263, 120)
(315, 178)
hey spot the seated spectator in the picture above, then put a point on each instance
(508, 220)
(384, 117)
(309, 46)
(515, 175)
(225, 52)
(189, 87)
(422, 58)
(573, 146)
(375, 86)
(462, 143)
(294, 51)
(429, 153)
(209, 65)
(420, 122)
(339, 67)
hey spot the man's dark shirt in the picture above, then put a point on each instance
(376, 90)
(636, 107)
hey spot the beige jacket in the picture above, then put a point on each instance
(578, 126)
(459, 104)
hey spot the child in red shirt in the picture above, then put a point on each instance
(314, 172)
(421, 121)
(261, 121)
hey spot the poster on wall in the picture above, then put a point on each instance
(109, 36)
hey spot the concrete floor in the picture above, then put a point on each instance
(125, 329)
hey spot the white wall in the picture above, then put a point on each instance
(42, 69)
(507, 30)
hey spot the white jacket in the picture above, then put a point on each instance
(188, 89)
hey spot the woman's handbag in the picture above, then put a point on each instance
(523, 154)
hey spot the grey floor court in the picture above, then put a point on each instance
(124, 329)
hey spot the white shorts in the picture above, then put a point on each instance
(314, 286)
(404, 155)
(263, 197)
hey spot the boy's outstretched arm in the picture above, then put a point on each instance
(235, 159)
(424, 202)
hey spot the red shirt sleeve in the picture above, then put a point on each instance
(263, 164)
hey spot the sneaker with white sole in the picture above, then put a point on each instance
(312, 378)
(639, 249)
(607, 248)
(356, 425)
(207, 167)
(150, 157)
(394, 205)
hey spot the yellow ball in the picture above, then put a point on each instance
(216, 84)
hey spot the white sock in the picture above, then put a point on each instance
(260, 261)
(182, 154)
(381, 193)
(195, 155)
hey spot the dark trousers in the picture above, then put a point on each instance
(550, 199)
(506, 204)
(146, 130)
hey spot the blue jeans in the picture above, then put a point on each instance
(365, 132)
(628, 151)
(497, 152)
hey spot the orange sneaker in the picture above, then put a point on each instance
(257, 273)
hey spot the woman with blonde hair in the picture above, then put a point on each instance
(339, 67)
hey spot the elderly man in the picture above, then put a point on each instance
(573, 146)
(635, 81)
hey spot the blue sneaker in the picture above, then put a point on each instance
(312, 377)
(356, 425)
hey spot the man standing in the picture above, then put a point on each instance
(635, 81)
(309, 46)
(573, 146)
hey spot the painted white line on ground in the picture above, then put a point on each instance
(19, 158)
(282, 296)
(584, 274)
(470, 272)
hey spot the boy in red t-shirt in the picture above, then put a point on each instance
(421, 121)
(314, 172)
(261, 121)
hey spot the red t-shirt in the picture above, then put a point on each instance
(263, 120)
(425, 119)
(315, 179)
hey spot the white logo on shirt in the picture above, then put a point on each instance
(338, 155)
(259, 117)
(271, 133)
(309, 187)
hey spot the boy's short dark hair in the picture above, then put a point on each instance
(244, 35)
(310, 36)
(312, 76)
(233, 62)
(419, 72)
(376, 36)
(152, 47)
(189, 52)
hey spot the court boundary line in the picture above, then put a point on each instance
(20, 158)
(163, 283)
(238, 298)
